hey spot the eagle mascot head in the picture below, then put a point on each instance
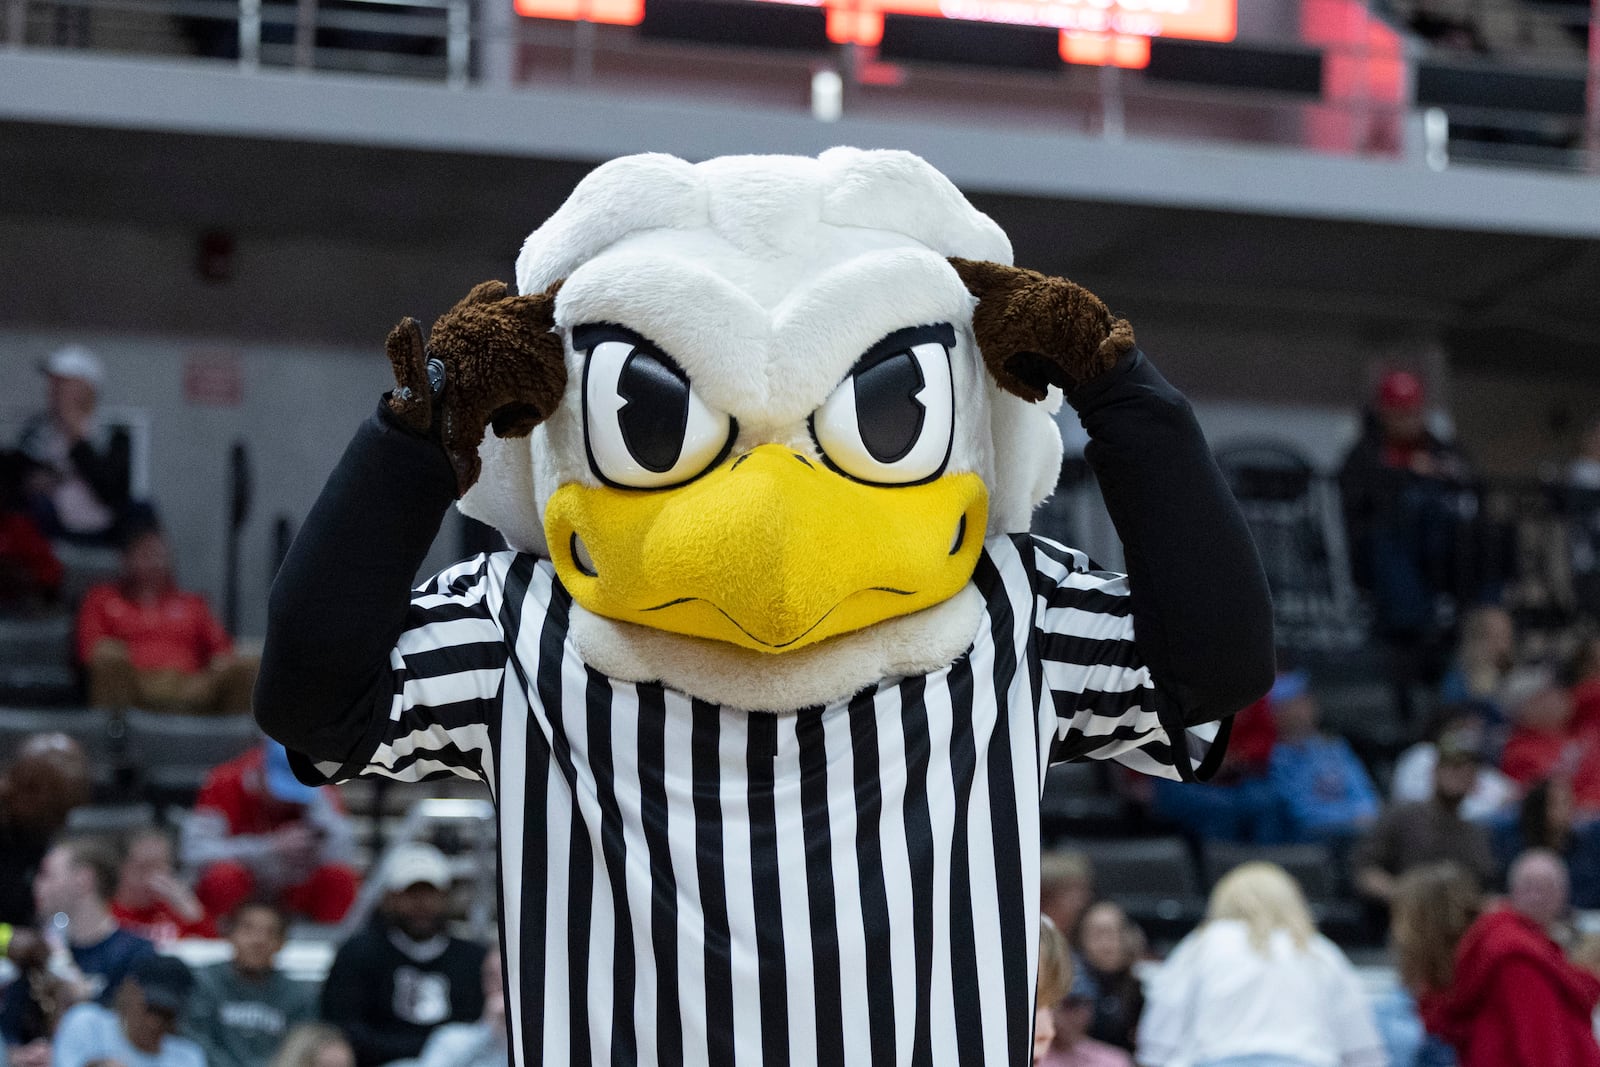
(778, 449)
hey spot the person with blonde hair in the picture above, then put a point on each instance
(1257, 986)
(315, 1045)
(1055, 978)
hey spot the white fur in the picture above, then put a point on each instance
(765, 278)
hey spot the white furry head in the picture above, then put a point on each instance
(765, 276)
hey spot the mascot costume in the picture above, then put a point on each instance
(766, 687)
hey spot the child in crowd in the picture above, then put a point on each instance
(1109, 944)
(242, 1008)
(1055, 976)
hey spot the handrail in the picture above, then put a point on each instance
(484, 44)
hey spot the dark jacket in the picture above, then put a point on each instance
(387, 998)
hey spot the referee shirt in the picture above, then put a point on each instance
(850, 884)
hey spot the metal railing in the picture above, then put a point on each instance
(470, 824)
(483, 42)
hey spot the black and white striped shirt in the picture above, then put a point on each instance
(854, 884)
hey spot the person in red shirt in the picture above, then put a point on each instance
(1493, 985)
(151, 900)
(258, 833)
(147, 643)
(1557, 736)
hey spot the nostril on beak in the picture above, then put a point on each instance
(960, 537)
(802, 459)
(742, 457)
(581, 558)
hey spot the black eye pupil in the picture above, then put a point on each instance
(887, 411)
(656, 415)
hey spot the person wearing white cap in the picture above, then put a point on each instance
(394, 982)
(84, 494)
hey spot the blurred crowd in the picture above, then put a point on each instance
(1484, 980)
(1472, 851)
(88, 982)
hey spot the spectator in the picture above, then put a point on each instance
(1109, 945)
(1326, 793)
(1493, 985)
(1492, 792)
(30, 573)
(1546, 821)
(483, 1043)
(1066, 887)
(1428, 831)
(47, 778)
(146, 643)
(1073, 1047)
(142, 1031)
(243, 1008)
(397, 980)
(258, 832)
(83, 492)
(49, 996)
(1408, 505)
(151, 900)
(92, 956)
(1239, 803)
(1557, 730)
(1541, 892)
(315, 1045)
(1055, 973)
(1582, 504)
(1483, 659)
(1257, 984)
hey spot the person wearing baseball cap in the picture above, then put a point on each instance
(1410, 507)
(84, 493)
(141, 1031)
(396, 981)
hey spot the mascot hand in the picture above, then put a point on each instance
(1036, 331)
(491, 360)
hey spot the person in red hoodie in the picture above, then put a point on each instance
(1491, 983)
(258, 833)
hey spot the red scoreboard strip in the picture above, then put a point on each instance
(1115, 32)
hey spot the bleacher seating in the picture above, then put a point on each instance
(1314, 866)
(36, 660)
(172, 754)
(1154, 879)
(1077, 802)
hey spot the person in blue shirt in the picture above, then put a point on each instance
(142, 1031)
(72, 892)
(1326, 792)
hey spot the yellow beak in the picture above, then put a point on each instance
(771, 550)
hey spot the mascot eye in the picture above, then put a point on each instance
(892, 420)
(645, 426)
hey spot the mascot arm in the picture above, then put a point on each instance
(1202, 613)
(1185, 640)
(354, 661)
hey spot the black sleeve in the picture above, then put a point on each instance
(341, 599)
(1202, 614)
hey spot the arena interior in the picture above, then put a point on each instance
(1361, 236)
